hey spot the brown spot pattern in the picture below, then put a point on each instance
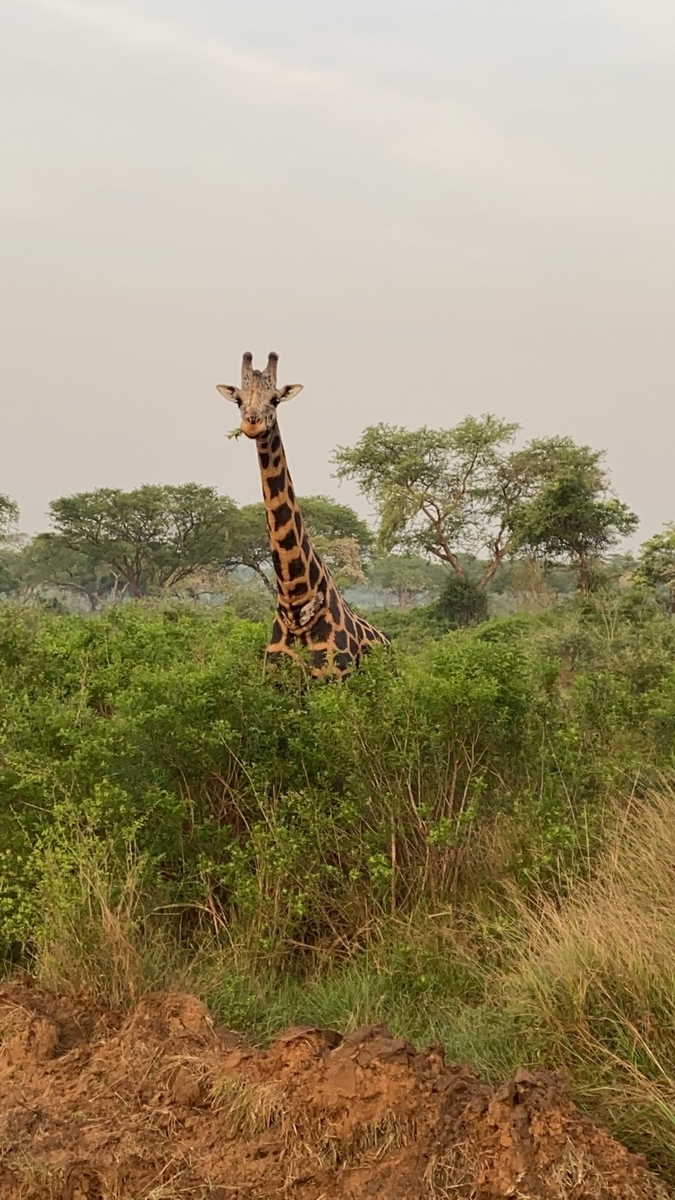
(311, 613)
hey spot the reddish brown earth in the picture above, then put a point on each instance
(162, 1105)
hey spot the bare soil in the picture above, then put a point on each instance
(162, 1104)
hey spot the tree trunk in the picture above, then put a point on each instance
(271, 587)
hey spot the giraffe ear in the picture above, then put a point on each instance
(229, 392)
(289, 390)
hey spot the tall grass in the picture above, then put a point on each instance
(584, 982)
(99, 932)
(594, 979)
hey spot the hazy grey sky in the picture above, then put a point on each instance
(429, 208)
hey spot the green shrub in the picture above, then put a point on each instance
(306, 817)
(170, 816)
(460, 603)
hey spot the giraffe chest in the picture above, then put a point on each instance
(335, 639)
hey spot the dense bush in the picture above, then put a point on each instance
(426, 844)
(301, 816)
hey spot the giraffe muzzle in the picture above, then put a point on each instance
(253, 429)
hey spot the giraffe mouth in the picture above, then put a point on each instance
(253, 429)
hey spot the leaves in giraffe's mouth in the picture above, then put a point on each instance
(235, 433)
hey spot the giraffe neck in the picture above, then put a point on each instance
(301, 576)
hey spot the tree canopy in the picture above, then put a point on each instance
(48, 559)
(464, 498)
(109, 543)
(439, 492)
(466, 490)
(249, 545)
(338, 534)
(10, 541)
(151, 537)
(572, 517)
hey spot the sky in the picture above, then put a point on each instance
(428, 209)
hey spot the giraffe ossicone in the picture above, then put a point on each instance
(311, 613)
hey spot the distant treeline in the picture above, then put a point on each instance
(460, 514)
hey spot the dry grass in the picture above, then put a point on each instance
(250, 1109)
(591, 988)
(96, 935)
(452, 1175)
(13, 1018)
(578, 1175)
(87, 938)
(180, 1186)
(37, 1178)
(389, 1133)
(596, 978)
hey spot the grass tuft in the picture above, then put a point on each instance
(249, 1109)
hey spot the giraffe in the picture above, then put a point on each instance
(310, 610)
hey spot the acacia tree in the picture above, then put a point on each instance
(152, 537)
(249, 545)
(465, 490)
(444, 492)
(47, 559)
(339, 535)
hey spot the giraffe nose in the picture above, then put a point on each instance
(252, 424)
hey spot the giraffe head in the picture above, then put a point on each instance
(258, 395)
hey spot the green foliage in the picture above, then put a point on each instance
(247, 600)
(376, 850)
(9, 518)
(656, 566)
(151, 537)
(572, 518)
(464, 490)
(461, 603)
(303, 816)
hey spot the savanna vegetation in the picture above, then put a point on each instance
(472, 839)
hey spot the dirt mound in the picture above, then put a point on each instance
(163, 1105)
